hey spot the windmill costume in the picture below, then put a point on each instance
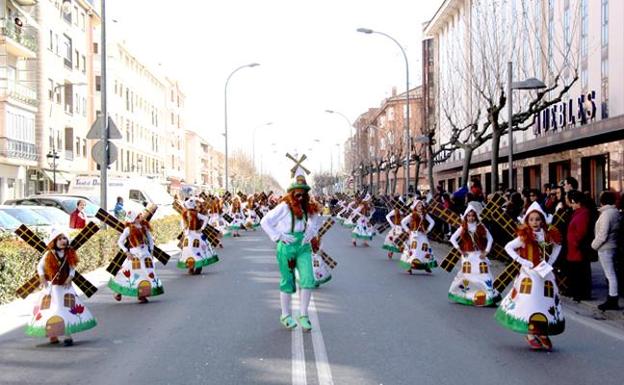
(394, 220)
(59, 310)
(363, 228)
(417, 254)
(293, 234)
(473, 284)
(196, 250)
(533, 306)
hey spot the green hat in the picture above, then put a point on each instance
(299, 182)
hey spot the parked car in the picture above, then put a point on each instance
(56, 216)
(8, 223)
(28, 217)
(67, 203)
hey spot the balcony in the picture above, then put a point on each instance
(69, 155)
(16, 149)
(19, 43)
(22, 93)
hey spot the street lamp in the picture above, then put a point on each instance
(52, 157)
(226, 118)
(407, 106)
(528, 84)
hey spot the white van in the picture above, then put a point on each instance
(137, 189)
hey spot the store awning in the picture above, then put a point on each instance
(61, 178)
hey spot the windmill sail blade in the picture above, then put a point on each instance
(325, 227)
(506, 276)
(228, 218)
(213, 235)
(383, 227)
(110, 220)
(329, 261)
(399, 241)
(115, 265)
(161, 255)
(27, 288)
(181, 236)
(177, 206)
(85, 234)
(451, 260)
(444, 215)
(84, 285)
(259, 213)
(28, 236)
(149, 212)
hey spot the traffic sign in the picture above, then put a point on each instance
(96, 129)
(97, 152)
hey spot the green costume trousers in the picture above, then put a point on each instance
(295, 256)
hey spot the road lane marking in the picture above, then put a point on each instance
(323, 368)
(298, 354)
(612, 332)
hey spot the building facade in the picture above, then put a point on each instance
(555, 41)
(19, 101)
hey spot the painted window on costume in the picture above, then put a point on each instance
(526, 286)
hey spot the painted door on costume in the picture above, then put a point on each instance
(55, 326)
(538, 324)
(145, 289)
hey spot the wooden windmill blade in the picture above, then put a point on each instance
(149, 212)
(399, 241)
(177, 206)
(444, 215)
(242, 196)
(559, 218)
(448, 264)
(84, 285)
(161, 255)
(259, 212)
(329, 261)
(227, 218)
(436, 235)
(325, 227)
(204, 196)
(29, 287)
(506, 276)
(382, 227)
(212, 234)
(110, 220)
(28, 236)
(85, 234)
(498, 253)
(115, 264)
(505, 222)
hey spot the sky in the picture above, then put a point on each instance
(311, 59)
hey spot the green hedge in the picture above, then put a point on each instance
(18, 261)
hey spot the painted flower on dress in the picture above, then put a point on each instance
(77, 309)
(151, 275)
(126, 273)
(37, 316)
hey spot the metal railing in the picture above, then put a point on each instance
(10, 30)
(22, 93)
(69, 155)
(12, 148)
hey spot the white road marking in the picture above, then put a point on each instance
(299, 376)
(612, 332)
(323, 369)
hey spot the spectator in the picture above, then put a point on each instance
(569, 183)
(550, 200)
(119, 211)
(560, 197)
(577, 257)
(78, 219)
(515, 206)
(606, 242)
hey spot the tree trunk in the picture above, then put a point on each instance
(394, 180)
(387, 182)
(378, 180)
(430, 167)
(495, 154)
(466, 165)
(417, 176)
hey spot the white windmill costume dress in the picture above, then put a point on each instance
(533, 305)
(363, 229)
(417, 254)
(196, 251)
(394, 220)
(252, 220)
(238, 219)
(473, 284)
(59, 310)
(137, 276)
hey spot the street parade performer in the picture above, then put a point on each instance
(417, 253)
(238, 217)
(473, 284)
(196, 251)
(137, 277)
(251, 217)
(60, 311)
(533, 306)
(363, 229)
(394, 220)
(293, 224)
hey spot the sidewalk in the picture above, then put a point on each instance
(587, 308)
(18, 312)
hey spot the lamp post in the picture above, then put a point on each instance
(226, 118)
(528, 84)
(52, 157)
(407, 106)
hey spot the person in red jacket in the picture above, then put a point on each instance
(78, 218)
(577, 237)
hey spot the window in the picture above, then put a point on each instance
(82, 21)
(136, 263)
(69, 300)
(77, 62)
(51, 46)
(67, 50)
(604, 24)
(483, 267)
(69, 98)
(78, 147)
(466, 268)
(195, 243)
(549, 290)
(98, 83)
(50, 89)
(83, 63)
(584, 28)
(75, 15)
(425, 247)
(45, 302)
(84, 148)
(148, 263)
(526, 285)
(95, 48)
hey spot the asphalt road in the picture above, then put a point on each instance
(376, 325)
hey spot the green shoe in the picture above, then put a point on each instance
(304, 321)
(288, 322)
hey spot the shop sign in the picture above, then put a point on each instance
(567, 113)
